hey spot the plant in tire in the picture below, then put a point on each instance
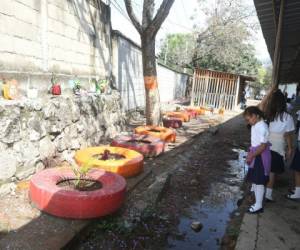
(77, 192)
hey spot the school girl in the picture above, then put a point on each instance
(281, 127)
(259, 156)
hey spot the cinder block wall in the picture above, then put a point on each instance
(67, 37)
(128, 73)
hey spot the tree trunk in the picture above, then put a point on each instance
(153, 115)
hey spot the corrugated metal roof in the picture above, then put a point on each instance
(290, 53)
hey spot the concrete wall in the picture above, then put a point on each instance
(128, 75)
(67, 37)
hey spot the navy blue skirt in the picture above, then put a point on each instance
(256, 175)
(296, 161)
(277, 163)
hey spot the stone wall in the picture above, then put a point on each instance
(40, 133)
(68, 37)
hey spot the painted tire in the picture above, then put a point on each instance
(165, 134)
(172, 122)
(198, 110)
(154, 148)
(74, 204)
(192, 113)
(131, 165)
(183, 115)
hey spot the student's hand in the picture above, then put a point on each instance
(249, 158)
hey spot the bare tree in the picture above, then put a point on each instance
(148, 29)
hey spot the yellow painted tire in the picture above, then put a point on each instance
(131, 165)
(165, 134)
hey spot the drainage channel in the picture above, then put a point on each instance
(210, 216)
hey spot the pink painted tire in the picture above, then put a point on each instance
(153, 147)
(172, 122)
(192, 113)
(50, 198)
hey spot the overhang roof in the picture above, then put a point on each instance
(290, 47)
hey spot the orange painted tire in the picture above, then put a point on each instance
(154, 147)
(165, 134)
(172, 122)
(50, 198)
(131, 165)
(183, 115)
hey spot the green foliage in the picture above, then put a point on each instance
(81, 173)
(224, 44)
(177, 50)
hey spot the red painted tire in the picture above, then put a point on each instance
(172, 122)
(55, 200)
(192, 113)
(154, 147)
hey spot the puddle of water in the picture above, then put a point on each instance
(213, 212)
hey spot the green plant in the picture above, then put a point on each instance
(54, 79)
(77, 84)
(81, 173)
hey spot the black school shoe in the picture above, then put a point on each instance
(251, 211)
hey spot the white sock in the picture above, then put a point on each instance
(269, 192)
(259, 196)
(252, 187)
(296, 195)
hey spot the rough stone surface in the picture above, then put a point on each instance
(7, 188)
(35, 133)
(8, 165)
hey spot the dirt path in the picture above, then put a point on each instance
(202, 188)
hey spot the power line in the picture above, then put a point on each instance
(120, 10)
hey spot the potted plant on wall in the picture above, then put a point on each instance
(55, 88)
(77, 192)
(77, 87)
(10, 89)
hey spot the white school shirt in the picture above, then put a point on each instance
(259, 133)
(284, 126)
(277, 129)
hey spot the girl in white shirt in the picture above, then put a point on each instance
(259, 156)
(281, 127)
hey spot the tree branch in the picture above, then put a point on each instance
(132, 16)
(160, 17)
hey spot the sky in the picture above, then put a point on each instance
(178, 21)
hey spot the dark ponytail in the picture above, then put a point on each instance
(253, 110)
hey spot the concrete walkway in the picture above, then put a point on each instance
(278, 228)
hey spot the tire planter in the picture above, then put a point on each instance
(74, 204)
(165, 134)
(192, 113)
(172, 122)
(131, 165)
(153, 147)
(198, 110)
(183, 115)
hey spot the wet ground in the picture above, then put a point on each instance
(213, 212)
(206, 190)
